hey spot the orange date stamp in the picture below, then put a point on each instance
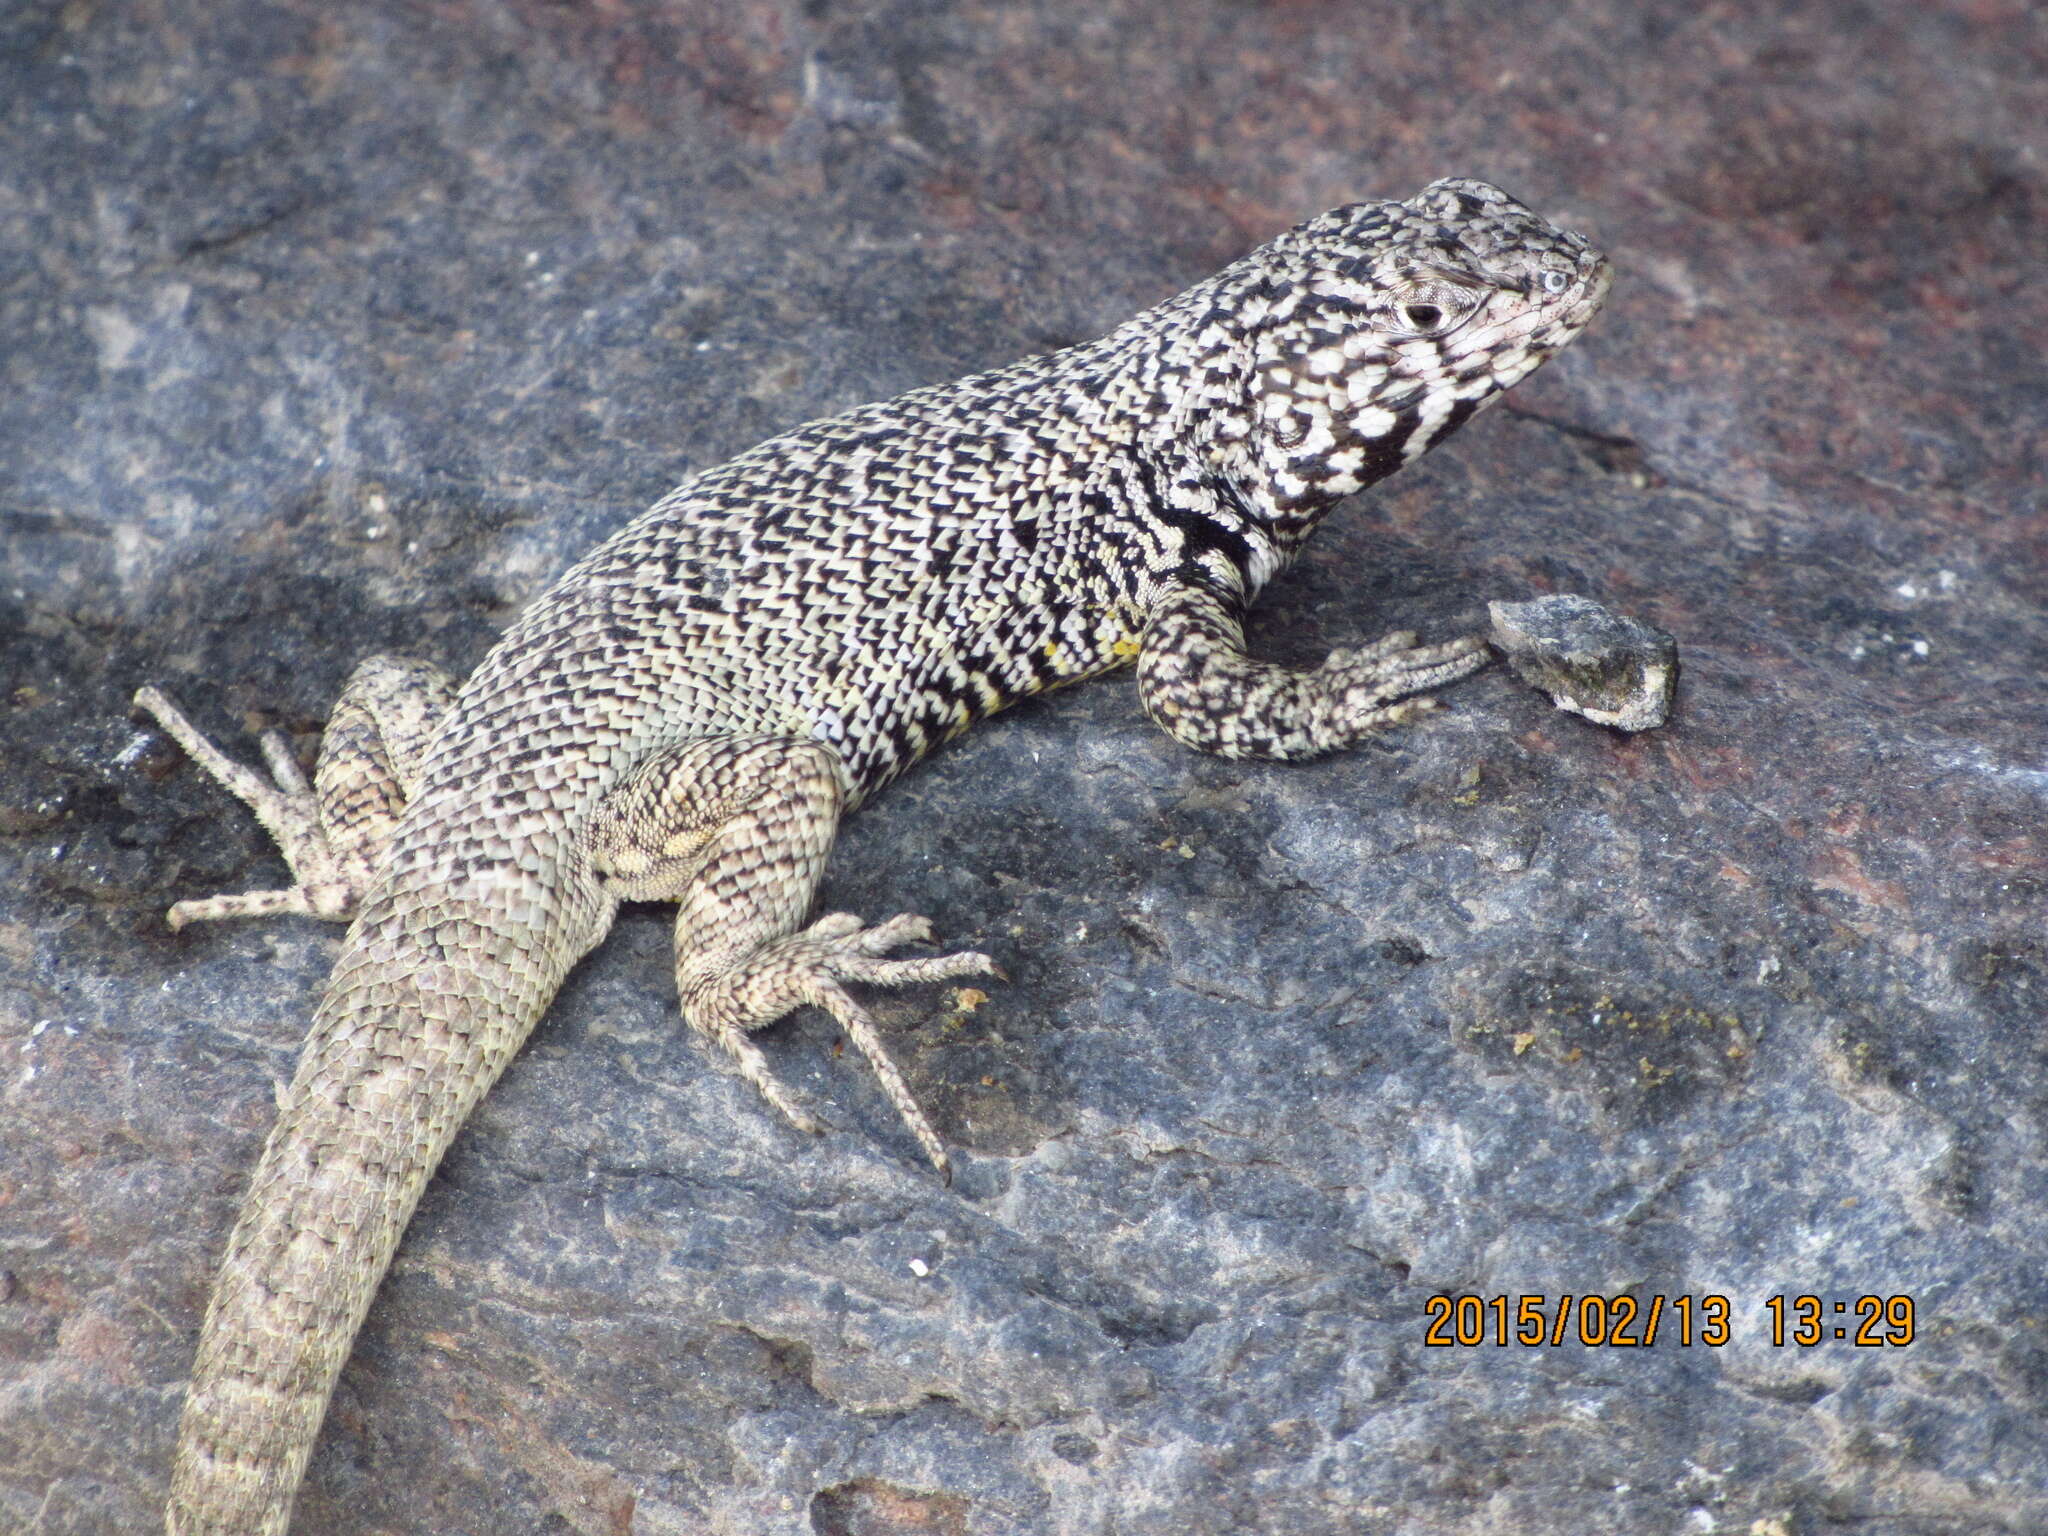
(1623, 1322)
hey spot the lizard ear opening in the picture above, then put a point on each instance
(1432, 306)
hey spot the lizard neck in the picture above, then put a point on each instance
(1172, 391)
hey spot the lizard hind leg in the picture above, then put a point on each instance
(736, 829)
(332, 832)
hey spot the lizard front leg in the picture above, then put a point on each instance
(736, 829)
(332, 832)
(1200, 686)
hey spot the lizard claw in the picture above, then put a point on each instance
(810, 967)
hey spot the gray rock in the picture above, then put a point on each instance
(331, 330)
(1612, 669)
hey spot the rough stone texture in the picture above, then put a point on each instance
(330, 329)
(1591, 660)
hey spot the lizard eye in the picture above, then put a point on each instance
(1431, 308)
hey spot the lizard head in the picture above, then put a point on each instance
(1379, 328)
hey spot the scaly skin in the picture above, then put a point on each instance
(688, 712)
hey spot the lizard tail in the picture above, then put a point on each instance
(422, 1014)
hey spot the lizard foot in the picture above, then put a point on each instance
(1196, 681)
(333, 831)
(1374, 685)
(809, 967)
(286, 807)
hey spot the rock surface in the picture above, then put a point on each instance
(1592, 661)
(330, 330)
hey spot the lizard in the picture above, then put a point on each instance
(690, 710)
